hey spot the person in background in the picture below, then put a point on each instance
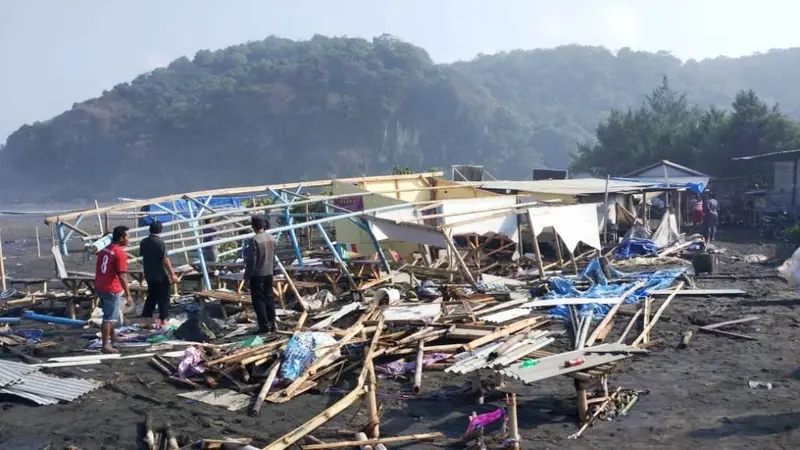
(210, 253)
(258, 273)
(158, 273)
(711, 214)
(697, 211)
(111, 282)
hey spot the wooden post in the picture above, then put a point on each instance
(583, 404)
(605, 211)
(467, 273)
(418, 367)
(558, 250)
(512, 414)
(648, 301)
(538, 251)
(2, 266)
(38, 244)
(99, 217)
(372, 399)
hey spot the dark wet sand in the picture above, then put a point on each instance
(699, 397)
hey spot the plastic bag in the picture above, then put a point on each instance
(790, 270)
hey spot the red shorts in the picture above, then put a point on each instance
(697, 216)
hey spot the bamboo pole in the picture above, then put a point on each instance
(630, 325)
(38, 244)
(361, 436)
(657, 315)
(262, 395)
(538, 251)
(461, 262)
(387, 440)
(512, 413)
(2, 265)
(610, 315)
(418, 368)
(648, 302)
(373, 426)
(99, 217)
(293, 436)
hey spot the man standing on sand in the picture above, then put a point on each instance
(711, 214)
(111, 282)
(158, 273)
(258, 272)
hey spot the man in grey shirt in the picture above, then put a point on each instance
(711, 215)
(258, 272)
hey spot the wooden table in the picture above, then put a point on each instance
(75, 283)
(366, 269)
(313, 273)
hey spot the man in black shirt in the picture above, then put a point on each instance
(158, 273)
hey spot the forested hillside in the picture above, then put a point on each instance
(279, 110)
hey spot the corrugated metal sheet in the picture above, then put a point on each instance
(505, 316)
(480, 358)
(67, 389)
(581, 186)
(28, 382)
(555, 365)
(12, 372)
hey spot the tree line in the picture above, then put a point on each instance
(668, 126)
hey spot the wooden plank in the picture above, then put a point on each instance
(698, 292)
(731, 322)
(727, 334)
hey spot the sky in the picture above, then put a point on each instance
(55, 53)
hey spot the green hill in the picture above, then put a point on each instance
(279, 110)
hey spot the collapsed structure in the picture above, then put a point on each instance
(478, 277)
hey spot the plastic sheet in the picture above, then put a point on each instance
(633, 247)
(790, 270)
(301, 351)
(565, 288)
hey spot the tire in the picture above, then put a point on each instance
(780, 233)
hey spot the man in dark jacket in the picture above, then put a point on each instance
(158, 273)
(259, 260)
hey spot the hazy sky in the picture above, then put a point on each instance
(55, 53)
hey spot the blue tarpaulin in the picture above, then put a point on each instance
(565, 288)
(633, 247)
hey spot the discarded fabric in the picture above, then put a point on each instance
(401, 366)
(192, 363)
(477, 421)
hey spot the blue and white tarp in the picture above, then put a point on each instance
(601, 288)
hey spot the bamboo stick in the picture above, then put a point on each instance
(386, 440)
(512, 413)
(2, 266)
(657, 315)
(505, 331)
(629, 326)
(418, 368)
(262, 395)
(610, 315)
(361, 436)
(293, 436)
